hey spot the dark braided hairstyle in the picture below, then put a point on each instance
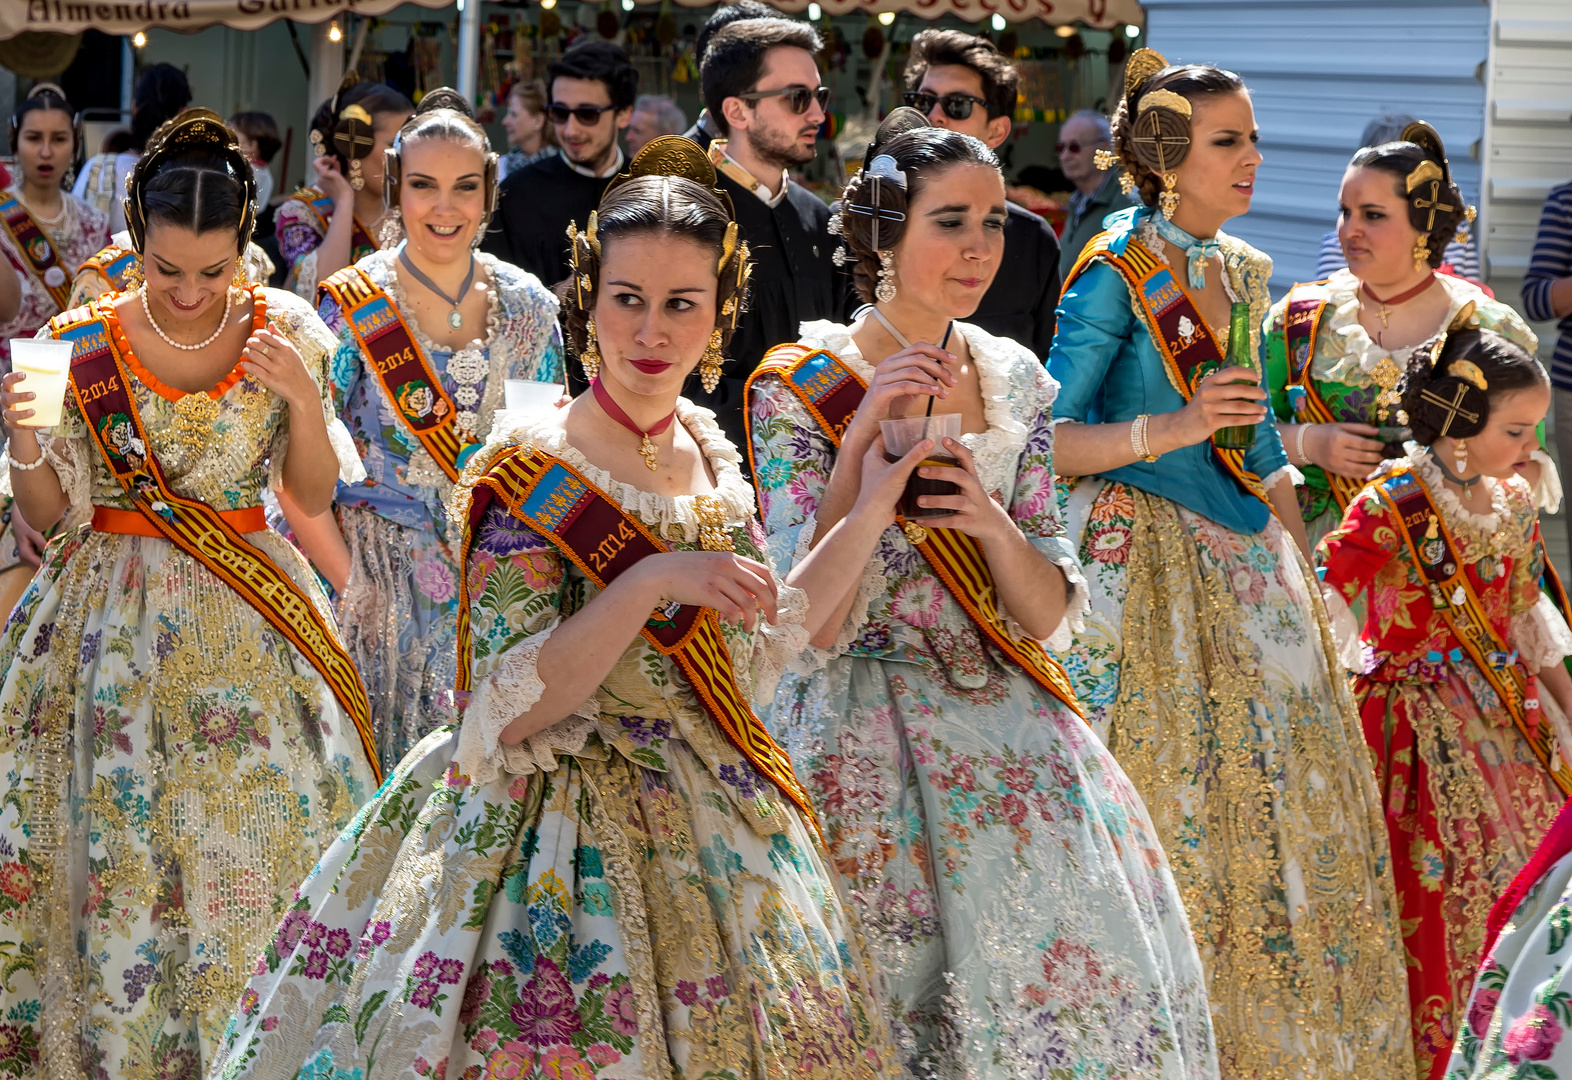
(1424, 181)
(657, 196)
(1151, 127)
(873, 207)
(1463, 357)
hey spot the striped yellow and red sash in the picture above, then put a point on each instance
(412, 386)
(1182, 337)
(36, 249)
(1434, 552)
(101, 383)
(831, 392)
(586, 525)
(321, 207)
(113, 264)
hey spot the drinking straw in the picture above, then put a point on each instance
(926, 415)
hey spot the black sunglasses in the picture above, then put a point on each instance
(798, 97)
(957, 106)
(588, 115)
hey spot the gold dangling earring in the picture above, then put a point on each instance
(884, 291)
(710, 363)
(135, 279)
(1422, 252)
(1168, 201)
(357, 179)
(589, 359)
(1460, 456)
(240, 280)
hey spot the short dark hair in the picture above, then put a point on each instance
(734, 62)
(724, 16)
(603, 62)
(939, 48)
(260, 128)
(162, 93)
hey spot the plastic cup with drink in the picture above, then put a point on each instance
(45, 366)
(904, 432)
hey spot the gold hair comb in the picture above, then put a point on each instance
(1165, 99)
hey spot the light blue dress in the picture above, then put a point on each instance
(1011, 884)
(1207, 666)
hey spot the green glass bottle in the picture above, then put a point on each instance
(1243, 436)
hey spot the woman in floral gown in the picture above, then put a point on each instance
(1206, 662)
(175, 757)
(1017, 899)
(591, 878)
(1467, 761)
(391, 554)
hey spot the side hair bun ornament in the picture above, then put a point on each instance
(1142, 65)
(1165, 99)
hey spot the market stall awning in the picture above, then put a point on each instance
(129, 16)
(1101, 14)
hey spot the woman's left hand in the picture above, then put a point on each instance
(277, 365)
(973, 512)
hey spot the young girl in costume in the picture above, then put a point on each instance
(1206, 662)
(1460, 647)
(608, 870)
(1017, 898)
(427, 333)
(181, 732)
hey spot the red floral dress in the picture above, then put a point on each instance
(1465, 798)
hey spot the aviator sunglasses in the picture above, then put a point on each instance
(798, 98)
(588, 115)
(957, 106)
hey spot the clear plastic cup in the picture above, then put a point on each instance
(45, 364)
(526, 396)
(904, 432)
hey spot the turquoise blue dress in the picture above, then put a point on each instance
(400, 609)
(1206, 665)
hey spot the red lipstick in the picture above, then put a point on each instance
(649, 365)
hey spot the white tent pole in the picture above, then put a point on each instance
(468, 47)
(127, 76)
(327, 71)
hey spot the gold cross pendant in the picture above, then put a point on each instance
(1385, 314)
(647, 448)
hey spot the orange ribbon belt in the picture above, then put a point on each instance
(109, 519)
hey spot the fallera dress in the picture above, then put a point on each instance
(1208, 667)
(171, 765)
(400, 608)
(621, 895)
(1014, 891)
(1465, 797)
(300, 224)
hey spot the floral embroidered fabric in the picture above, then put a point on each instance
(172, 766)
(82, 231)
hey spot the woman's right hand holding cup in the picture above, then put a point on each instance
(13, 404)
(1229, 397)
(902, 383)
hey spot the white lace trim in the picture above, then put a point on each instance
(351, 470)
(1422, 460)
(1358, 352)
(511, 689)
(997, 451)
(670, 515)
(1345, 629)
(305, 278)
(870, 591)
(1295, 477)
(777, 649)
(1547, 489)
(1540, 635)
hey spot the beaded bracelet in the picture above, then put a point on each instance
(1299, 445)
(21, 466)
(1138, 441)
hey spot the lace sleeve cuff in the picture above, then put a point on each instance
(784, 646)
(1540, 635)
(1345, 629)
(873, 585)
(1547, 489)
(351, 470)
(513, 687)
(306, 277)
(1078, 595)
(1295, 477)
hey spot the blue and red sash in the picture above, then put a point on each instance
(36, 249)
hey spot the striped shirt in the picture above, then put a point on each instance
(1464, 258)
(1552, 259)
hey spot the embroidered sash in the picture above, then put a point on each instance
(831, 392)
(36, 249)
(1301, 325)
(321, 207)
(406, 376)
(1182, 337)
(1433, 551)
(588, 527)
(101, 383)
(113, 264)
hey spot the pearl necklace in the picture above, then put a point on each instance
(229, 299)
(48, 224)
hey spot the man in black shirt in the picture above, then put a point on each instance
(592, 89)
(963, 83)
(704, 129)
(762, 92)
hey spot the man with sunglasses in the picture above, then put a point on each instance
(591, 90)
(963, 83)
(763, 94)
(1097, 193)
(704, 129)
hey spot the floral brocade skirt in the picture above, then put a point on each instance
(598, 921)
(1466, 803)
(1207, 665)
(170, 767)
(399, 617)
